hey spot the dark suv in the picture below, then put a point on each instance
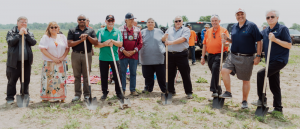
(197, 27)
(227, 26)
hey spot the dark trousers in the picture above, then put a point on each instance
(104, 67)
(274, 82)
(180, 60)
(192, 51)
(13, 75)
(148, 73)
(213, 61)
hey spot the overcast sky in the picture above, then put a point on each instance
(163, 11)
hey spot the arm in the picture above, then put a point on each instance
(12, 40)
(65, 54)
(185, 37)
(30, 39)
(72, 43)
(284, 44)
(93, 38)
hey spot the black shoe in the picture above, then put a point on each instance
(226, 95)
(275, 110)
(104, 96)
(120, 96)
(145, 90)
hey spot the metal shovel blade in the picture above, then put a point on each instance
(91, 103)
(166, 98)
(218, 103)
(261, 111)
(124, 103)
(22, 100)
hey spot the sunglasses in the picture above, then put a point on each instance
(55, 27)
(177, 21)
(214, 35)
(81, 19)
(270, 17)
(113, 20)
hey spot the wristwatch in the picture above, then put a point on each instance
(258, 55)
(202, 57)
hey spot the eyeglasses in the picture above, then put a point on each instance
(81, 19)
(112, 20)
(55, 27)
(270, 17)
(214, 35)
(177, 21)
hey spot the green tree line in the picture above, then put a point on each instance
(43, 26)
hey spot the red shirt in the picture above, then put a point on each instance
(132, 40)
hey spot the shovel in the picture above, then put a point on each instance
(22, 100)
(218, 103)
(263, 110)
(124, 102)
(91, 103)
(166, 98)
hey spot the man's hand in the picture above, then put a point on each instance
(126, 53)
(110, 44)
(202, 61)
(169, 43)
(165, 36)
(83, 36)
(106, 43)
(256, 60)
(224, 36)
(272, 37)
(22, 31)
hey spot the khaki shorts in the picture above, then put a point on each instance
(242, 66)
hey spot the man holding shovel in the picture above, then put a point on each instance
(109, 37)
(14, 58)
(212, 44)
(280, 48)
(240, 61)
(177, 41)
(76, 37)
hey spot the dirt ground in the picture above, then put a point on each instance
(147, 110)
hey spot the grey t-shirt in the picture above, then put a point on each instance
(20, 48)
(152, 52)
(174, 35)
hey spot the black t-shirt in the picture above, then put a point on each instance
(74, 35)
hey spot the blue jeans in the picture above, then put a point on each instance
(132, 69)
(192, 51)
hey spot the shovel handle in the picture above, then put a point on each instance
(117, 72)
(87, 66)
(267, 66)
(221, 62)
(22, 65)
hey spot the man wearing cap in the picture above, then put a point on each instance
(240, 61)
(76, 37)
(177, 41)
(206, 27)
(128, 53)
(281, 45)
(212, 44)
(109, 37)
(192, 41)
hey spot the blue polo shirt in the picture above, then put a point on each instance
(244, 39)
(278, 53)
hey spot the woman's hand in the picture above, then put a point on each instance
(57, 60)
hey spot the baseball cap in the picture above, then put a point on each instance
(129, 16)
(207, 25)
(110, 17)
(240, 10)
(188, 24)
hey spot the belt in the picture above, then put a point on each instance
(240, 54)
(81, 52)
(173, 52)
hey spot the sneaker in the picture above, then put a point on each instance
(86, 98)
(189, 96)
(275, 111)
(194, 63)
(244, 104)
(145, 90)
(120, 96)
(214, 95)
(76, 98)
(226, 95)
(104, 96)
(112, 82)
(124, 92)
(10, 102)
(259, 103)
(134, 93)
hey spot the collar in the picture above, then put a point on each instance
(77, 28)
(105, 28)
(217, 29)
(245, 24)
(275, 27)
(132, 28)
(175, 28)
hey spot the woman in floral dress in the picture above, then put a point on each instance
(55, 49)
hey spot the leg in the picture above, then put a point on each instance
(123, 70)
(260, 83)
(246, 90)
(27, 72)
(193, 54)
(104, 66)
(148, 73)
(161, 76)
(76, 65)
(132, 69)
(113, 68)
(12, 75)
(274, 82)
(86, 90)
(172, 70)
(184, 68)
(226, 78)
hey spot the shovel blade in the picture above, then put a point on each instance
(218, 103)
(124, 103)
(22, 100)
(261, 111)
(166, 99)
(91, 103)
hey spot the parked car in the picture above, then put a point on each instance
(197, 27)
(295, 35)
(227, 26)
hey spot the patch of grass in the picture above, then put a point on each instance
(112, 98)
(123, 125)
(198, 99)
(72, 124)
(201, 80)
(104, 114)
(116, 110)
(142, 99)
(158, 101)
(183, 101)
(261, 119)
(139, 73)
(207, 110)
(232, 114)
(195, 109)
(279, 116)
(175, 117)
(87, 126)
(3, 60)
(201, 118)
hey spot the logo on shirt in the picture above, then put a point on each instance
(245, 32)
(76, 32)
(275, 31)
(115, 35)
(130, 37)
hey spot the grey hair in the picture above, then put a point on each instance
(215, 16)
(272, 10)
(81, 15)
(178, 17)
(22, 18)
(150, 19)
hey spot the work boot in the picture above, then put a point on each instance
(76, 98)
(10, 102)
(189, 96)
(259, 103)
(134, 93)
(104, 96)
(275, 110)
(214, 95)
(226, 95)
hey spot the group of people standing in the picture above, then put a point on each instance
(130, 44)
